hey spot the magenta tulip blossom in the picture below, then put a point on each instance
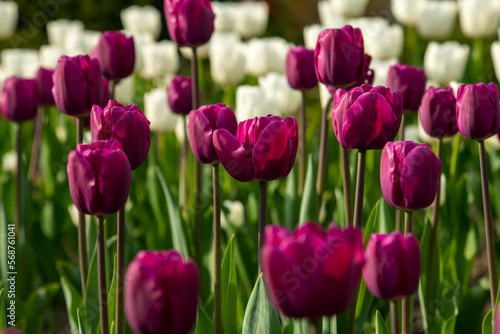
(179, 95)
(264, 148)
(312, 273)
(410, 82)
(392, 268)
(438, 112)
(126, 124)
(19, 100)
(478, 111)
(409, 175)
(99, 177)
(202, 123)
(161, 293)
(44, 82)
(366, 117)
(189, 22)
(116, 55)
(300, 70)
(77, 85)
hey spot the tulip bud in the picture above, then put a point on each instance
(116, 55)
(366, 117)
(410, 82)
(478, 111)
(158, 112)
(437, 19)
(392, 268)
(446, 62)
(141, 19)
(300, 70)
(179, 95)
(9, 13)
(264, 148)
(479, 18)
(77, 85)
(161, 293)
(202, 123)
(44, 82)
(99, 177)
(437, 112)
(311, 273)
(19, 99)
(409, 175)
(189, 22)
(126, 124)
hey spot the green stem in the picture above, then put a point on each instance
(82, 237)
(120, 267)
(302, 144)
(477, 58)
(346, 176)
(360, 186)
(37, 138)
(316, 326)
(323, 153)
(112, 85)
(19, 153)
(217, 253)
(406, 307)
(394, 317)
(101, 272)
(184, 166)
(262, 215)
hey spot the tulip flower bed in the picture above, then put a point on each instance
(346, 186)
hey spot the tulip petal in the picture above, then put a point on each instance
(82, 182)
(232, 154)
(200, 137)
(271, 153)
(114, 182)
(69, 88)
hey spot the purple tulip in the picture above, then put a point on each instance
(410, 82)
(339, 56)
(366, 117)
(202, 123)
(392, 268)
(496, 323)
(126, 124)
(300, 70)
(104, 102)
(478, 111)
(19, 99)
(189, 22)
(409, 175)
(44, 81)
(161, 293)
(437, 112)
(116, 55)
(312, 273)
(99, 177)
(179, 95)
(77, 85)
(12, 330)
(264, 148)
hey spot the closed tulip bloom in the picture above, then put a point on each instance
(409, 175)
(251, 18)
(179, 95)
(19, 99)
(406, 11)
(300, 70)
(161, 293)
(264, 148)
(141, 19)
(202, 123)
(44, 82)
(437, 19)
(479, 18)
(116, 55)
(312, 273)
(126, 124)
(410, 82)
(158, 112)
(437, 112)
(339, 56)
(189, 22)
(366, 117)
(264, 55)
(227, 59)
(9, 13)
(478, 111)
(446, 62)
(252, 101)
(158, 59)
(99, 177)
(77, 85)
(495, 57)
(392, 268)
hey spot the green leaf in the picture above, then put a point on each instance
(229, 289)
(112, 297)
(73, 303)
(81, 328)
(487, 323)
(291, 201)
(365, 300)
(300, 326)
(154, 200)
(39, 301)
(309, 204)
(204, 324)
(260, 316)
(424, 248)
(3, 241)
(3, 311)
(380, 326)
(372, 223)
(178, 239)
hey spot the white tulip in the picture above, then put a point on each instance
(227, 59)
(9, 162)
(381, 40)
(236, 215)
(251, 102)
(277, 90)
(180, 128)
(158, 112)
(437, 19)
(495, 56)
(81, 42)
(49, 55)
(125, 90)
(479, 18)
(59, 31)
(160, 59)
(311, 34)
(145, 19)
(201, 51)
(20, 62)
(251, 18)
(9, 13)
(140, 39)
(454, 85)
(492, 143)
(225, 13)
(266, 55)
(381, 69)
(324, 95)
(406, 11)
(446, 62)
(328, 15)
(349, 8)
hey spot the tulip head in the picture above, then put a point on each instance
(179, 95)
(300, 70)
(161, 293)
(438, 112)
(410, 82)
(116, 55)
(19, 100)
(44, 82)
(392, 268)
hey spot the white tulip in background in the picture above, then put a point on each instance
(445, 62)
(406, 11)
(49, 55)
(479, 18)
(324, 95)
(179, 128)
(59, 31)
(20, 62)
(81, 42)
(9, 14)
(251, 18)
(329, 16)
(251, 102)
(495, 57)
(266, 55)
(437, 19)
(160, 59)
(227, 59)
(454, 85)
(225, 13)
(235, 216)
(201, 51)
(311, 34)
(158, 112)
(140, 39)
(125, 90)
(145, 19)
(349, 8)
(381, 69)
(381, 40)
(277, 90)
